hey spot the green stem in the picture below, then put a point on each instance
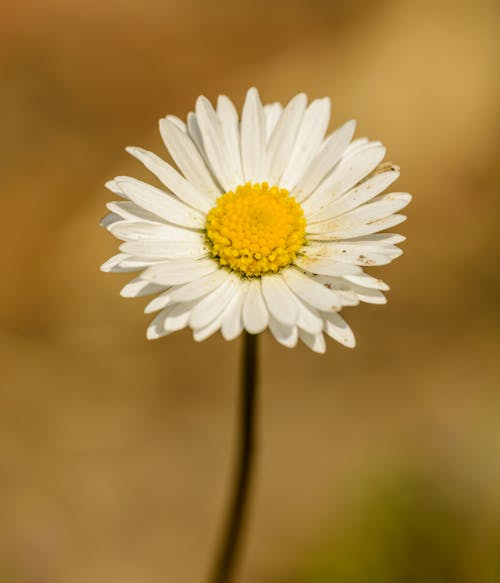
(224, 567)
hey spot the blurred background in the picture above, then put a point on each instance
(377, 465)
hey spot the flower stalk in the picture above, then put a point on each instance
(231, 540)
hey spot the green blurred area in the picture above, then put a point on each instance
(404, 530)
(375, 465)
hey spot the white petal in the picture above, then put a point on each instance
(188, 158)
(205, 332)
(325, 266)
(139, 287)
(178, 316)
(194, 132)
(329, 155)
(132, 263)
(310, 135)
(379, 239)
(255, 314)
(178, 272)
(253, 138)
(282, 140)
(280, 300)
(212, 305)
(132, 212)
(352, 231)
(109, 219)
(356, 145)
(114, 188)
(380, 208)
(313, 293)
(174, 181)
(199, 288)
(341, 287)
(161, 203)
(272, 112)
(177, 122)
(285, 334)
(232, 321)
(355, 197)
(214, 143)
(112, 265)
(147, 231)
(353, 253)
(316, 342)
(125, 263)
(156, 328)
(231, 129)
(171, 319)
(365, 280)
(369, 296)
(158, 303)
(337, 328)
(309, 318)
(163, 249)
(348, 172)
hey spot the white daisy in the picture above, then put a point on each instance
(267, 223)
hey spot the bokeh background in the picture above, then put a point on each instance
(378, 465)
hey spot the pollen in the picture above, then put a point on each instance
(256, 229)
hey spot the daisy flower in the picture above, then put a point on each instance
(267, 222)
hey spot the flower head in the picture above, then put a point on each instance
(267, 223)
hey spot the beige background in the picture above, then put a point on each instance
(376, 465)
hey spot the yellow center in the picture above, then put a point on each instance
(256, 230)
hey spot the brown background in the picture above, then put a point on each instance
(376, 465)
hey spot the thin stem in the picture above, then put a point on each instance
(224, 567)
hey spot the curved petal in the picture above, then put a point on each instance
(200, 334)
(316, 342)
(285, 334)
(199, 288)
(130, 211)
(355, 197)
(165, 249)
(365, 280)
(309, 138)
(255, 314)
(161, 203)
(231, 130)
(109, 220)
(309, 319)
(139, 287)
(112, 265)
(353, 253)
(174, 181)
(326, 266)
(380, 208)
(337, 328)
(171, 319)
(221, 161)
(280, 300)
(149, 231)
(313, 293)
(326, 159)
(178, 272)
(232, 320)
(282, 140)
(348, 172)
(253, 138)
(188, 158)
(158, 303)
(272, 113)
(355, 231)
(213, 304)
